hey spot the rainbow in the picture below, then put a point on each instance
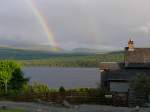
(43, 22)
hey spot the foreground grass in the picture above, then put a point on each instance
(12, 110)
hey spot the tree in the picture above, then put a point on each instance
(5, 77)
(141, 86)
(17, 81)
(11, 76)
(62, 89)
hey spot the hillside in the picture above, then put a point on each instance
(21, 54)
(57, 59)
(87, 50)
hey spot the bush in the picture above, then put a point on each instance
(38, 88)
(141, 88)
(27, 89)
(62, 89)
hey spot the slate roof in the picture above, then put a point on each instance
(140, 57)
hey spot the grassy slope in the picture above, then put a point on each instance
(7, 53)
(37, 58)
(75, 60)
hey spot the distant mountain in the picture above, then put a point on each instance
(40, 52)
(24, 54)
(88, 50)
(28, 51)
(116, 52)
(33, 47)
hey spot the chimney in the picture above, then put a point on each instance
(131, 45)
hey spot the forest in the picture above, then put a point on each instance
(75, 60)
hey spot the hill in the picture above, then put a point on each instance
(58, 59)
(22, 54)
(30, 53)
(88, 50)
(33, 47)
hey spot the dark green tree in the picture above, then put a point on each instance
(62, 89)
(141, 87)
(18, 81)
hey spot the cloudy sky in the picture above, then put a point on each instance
(100, 24)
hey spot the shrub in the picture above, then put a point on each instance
(141, 88)
(62, 89)
(38, 88)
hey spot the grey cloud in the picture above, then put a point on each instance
(103, 24)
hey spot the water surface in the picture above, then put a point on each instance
(67, 77)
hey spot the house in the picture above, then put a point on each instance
(116, 76)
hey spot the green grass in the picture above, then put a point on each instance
(12, 110)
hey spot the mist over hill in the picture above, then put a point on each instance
(52, 49)
(89, 50)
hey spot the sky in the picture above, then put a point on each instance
(98, 24)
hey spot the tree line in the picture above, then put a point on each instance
(74, 60)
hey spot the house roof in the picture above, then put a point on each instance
(136, 61)
(139, 57)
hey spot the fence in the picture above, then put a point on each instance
(74, 98)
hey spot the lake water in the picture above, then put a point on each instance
(67, 77)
